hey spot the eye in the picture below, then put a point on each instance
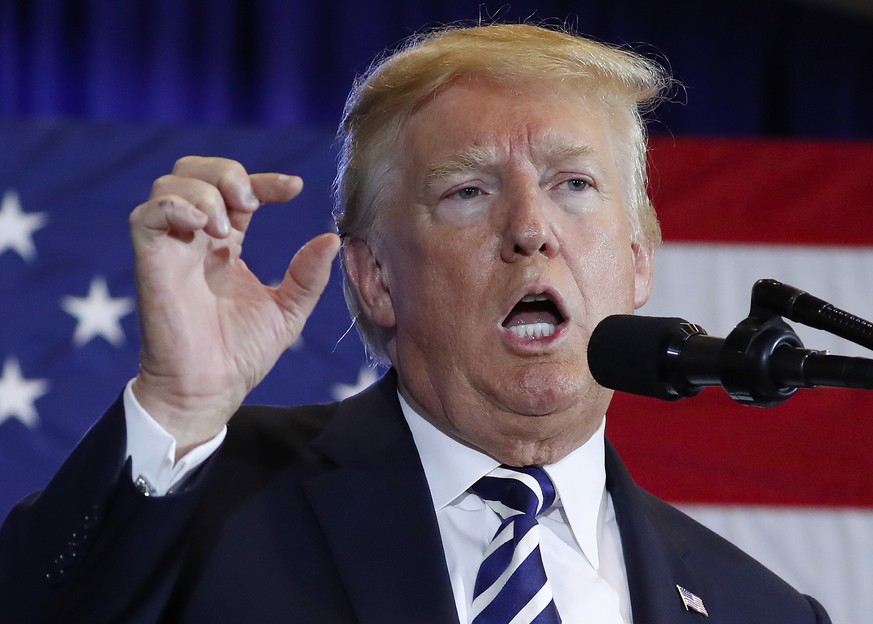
(577, 184)
(468, 192)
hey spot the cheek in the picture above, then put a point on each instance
(602, 264)
(452, 256)
(435, 281)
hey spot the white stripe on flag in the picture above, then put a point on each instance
(711, 284)
(822, 552)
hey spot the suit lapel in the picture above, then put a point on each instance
(378, 518)
(653, 550)
(377, 514)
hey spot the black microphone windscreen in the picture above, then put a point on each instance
(626, 351)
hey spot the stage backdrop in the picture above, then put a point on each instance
(793, 484)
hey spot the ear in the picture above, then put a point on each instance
(370, 281)
(644, 258)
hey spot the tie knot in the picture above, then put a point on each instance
(511, 491)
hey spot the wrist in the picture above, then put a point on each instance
(192, 419)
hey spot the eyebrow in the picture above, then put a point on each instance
(558, 151)
(473, 157)
(477, 157)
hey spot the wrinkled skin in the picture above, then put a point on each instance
(211, 330)
(500, 195)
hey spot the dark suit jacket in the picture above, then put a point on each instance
(318, 514)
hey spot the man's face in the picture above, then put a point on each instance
(505, 244)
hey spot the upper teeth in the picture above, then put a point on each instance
(530, 298)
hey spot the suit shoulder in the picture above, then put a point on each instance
(735, 572)
(260, 429)
(695, 536)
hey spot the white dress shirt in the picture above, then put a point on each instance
(579, 538)
(580, 541)
(152, 450)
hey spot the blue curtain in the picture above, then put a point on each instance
(750, 67)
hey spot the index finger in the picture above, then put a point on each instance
(275, 188)
(268, 188)
(242, 193)
(228, 176)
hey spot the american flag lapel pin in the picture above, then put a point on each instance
(692, 602)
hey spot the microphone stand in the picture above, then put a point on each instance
(761, 362)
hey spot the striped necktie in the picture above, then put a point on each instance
(511, 586)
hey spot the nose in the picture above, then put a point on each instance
(529, 229)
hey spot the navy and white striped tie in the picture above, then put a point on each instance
(511, 586)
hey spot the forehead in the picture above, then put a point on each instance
(480, 121)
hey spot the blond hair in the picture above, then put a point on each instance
(382, 99)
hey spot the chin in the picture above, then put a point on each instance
(545, 412)
(542, 389)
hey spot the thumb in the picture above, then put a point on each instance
(306, 279)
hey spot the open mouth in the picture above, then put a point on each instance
(535, 316)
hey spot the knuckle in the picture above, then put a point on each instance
(162, 185)
(146, 212)
(185, 162)
(232, 175)
(210, 199)
(135, 216)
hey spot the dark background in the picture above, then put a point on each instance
(764, 68)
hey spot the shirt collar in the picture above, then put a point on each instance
(451, 468)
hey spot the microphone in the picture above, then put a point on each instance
(757, 364)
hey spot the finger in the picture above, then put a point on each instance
(167, 213)
(228, 176)
(275, 188)
(242, 193)
(200, 194)
(305, 280)
(269, 188)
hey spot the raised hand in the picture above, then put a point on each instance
(211, 330)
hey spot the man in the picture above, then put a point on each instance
(492, 210)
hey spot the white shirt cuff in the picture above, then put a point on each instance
(152, 450)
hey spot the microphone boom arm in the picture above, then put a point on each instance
(762, 361)
(773, 297)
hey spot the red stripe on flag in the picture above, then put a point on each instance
(754, 191)
(815, 449)
(812, 450)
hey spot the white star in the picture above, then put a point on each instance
(366, 376)
(17, 227)
(17, 394)
(98, 314)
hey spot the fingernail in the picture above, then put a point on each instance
(223, 225)
(250, 199)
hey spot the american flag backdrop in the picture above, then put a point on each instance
(792, 484)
